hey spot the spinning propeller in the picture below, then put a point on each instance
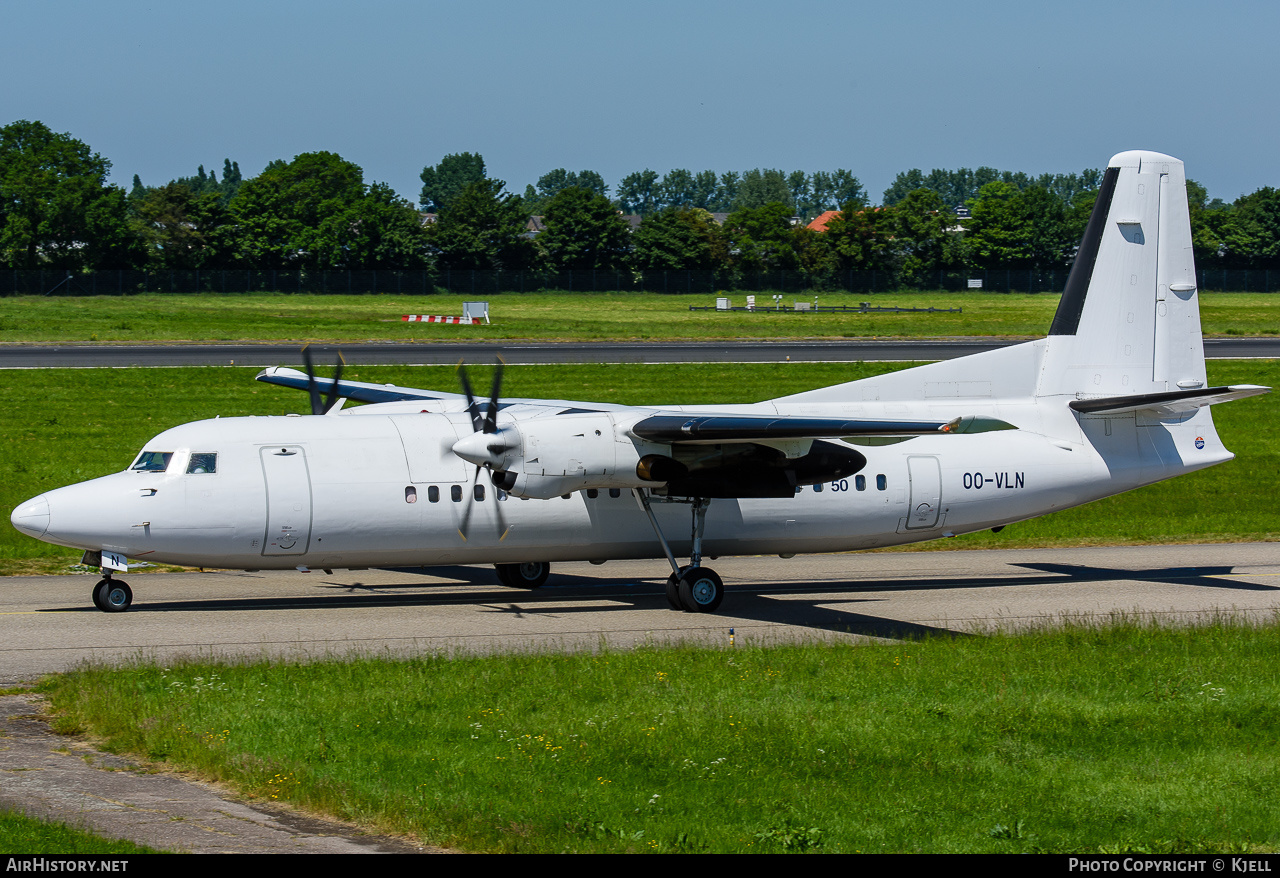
(486, 447)
(331, 398)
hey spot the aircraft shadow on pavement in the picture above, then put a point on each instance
(806, 605)
(1206, 577)
(746, 605)
(1210, 577)
(570, 595)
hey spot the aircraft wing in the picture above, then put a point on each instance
(1173, 402)
(754, 428)
(357, 390)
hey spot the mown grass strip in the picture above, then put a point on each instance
(1087, 738)
(552, 316)
(61, 426)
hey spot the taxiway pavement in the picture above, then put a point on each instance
(48, 624)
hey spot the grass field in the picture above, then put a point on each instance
(548, 316)
(60, 426)
(1117, 737)
(1108, 737)
(20, 834)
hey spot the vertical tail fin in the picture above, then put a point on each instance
(1129, 320)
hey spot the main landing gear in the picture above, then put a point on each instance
(112, 595)
(693, 588)
(530, 574)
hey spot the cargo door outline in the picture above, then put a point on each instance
(925, 476)
(430, 461)
(288, 484)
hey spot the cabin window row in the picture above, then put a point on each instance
(478, 492)
(859, 484)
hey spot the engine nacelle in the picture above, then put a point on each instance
(546, 457)
(747, 469)
(550, 456)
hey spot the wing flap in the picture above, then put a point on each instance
(753, 428)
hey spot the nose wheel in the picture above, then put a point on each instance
(112, 596)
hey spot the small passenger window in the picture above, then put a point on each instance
(152, 461)
(881, 482)
(455, 493)
(433, 493)
(615, 493)
(478, 492)
(411, 494)
(592, 493)
(817, 489)
(203, 462)
(860, 482)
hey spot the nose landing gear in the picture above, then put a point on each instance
(112, 595)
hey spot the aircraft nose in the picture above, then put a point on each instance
(32, 517)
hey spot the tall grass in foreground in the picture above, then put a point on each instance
(20, 834)
(1085, 738)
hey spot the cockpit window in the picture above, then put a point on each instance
(152, 462)
(203, 462)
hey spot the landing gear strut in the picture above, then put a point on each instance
(112, 595)
(694, 588)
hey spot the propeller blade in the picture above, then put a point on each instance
(316, 407)
(481, 452)
(331, 398)
(491, 416)
(477, 423)
(502, 520)
(465, 526)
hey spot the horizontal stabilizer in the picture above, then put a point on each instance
(1173, 402)
(357, 390)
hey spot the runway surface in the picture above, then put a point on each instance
(48, 624)
(532, 353)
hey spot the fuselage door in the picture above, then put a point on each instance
(926, 492)
(288, 500)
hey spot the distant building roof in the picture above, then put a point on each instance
(819, 223)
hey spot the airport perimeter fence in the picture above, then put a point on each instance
(48, 282)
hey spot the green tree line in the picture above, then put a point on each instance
(316, 211)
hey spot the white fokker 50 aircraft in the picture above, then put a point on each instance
(1115, 398)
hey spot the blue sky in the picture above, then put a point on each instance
(161, 87)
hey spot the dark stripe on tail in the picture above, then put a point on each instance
(1067, 318)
